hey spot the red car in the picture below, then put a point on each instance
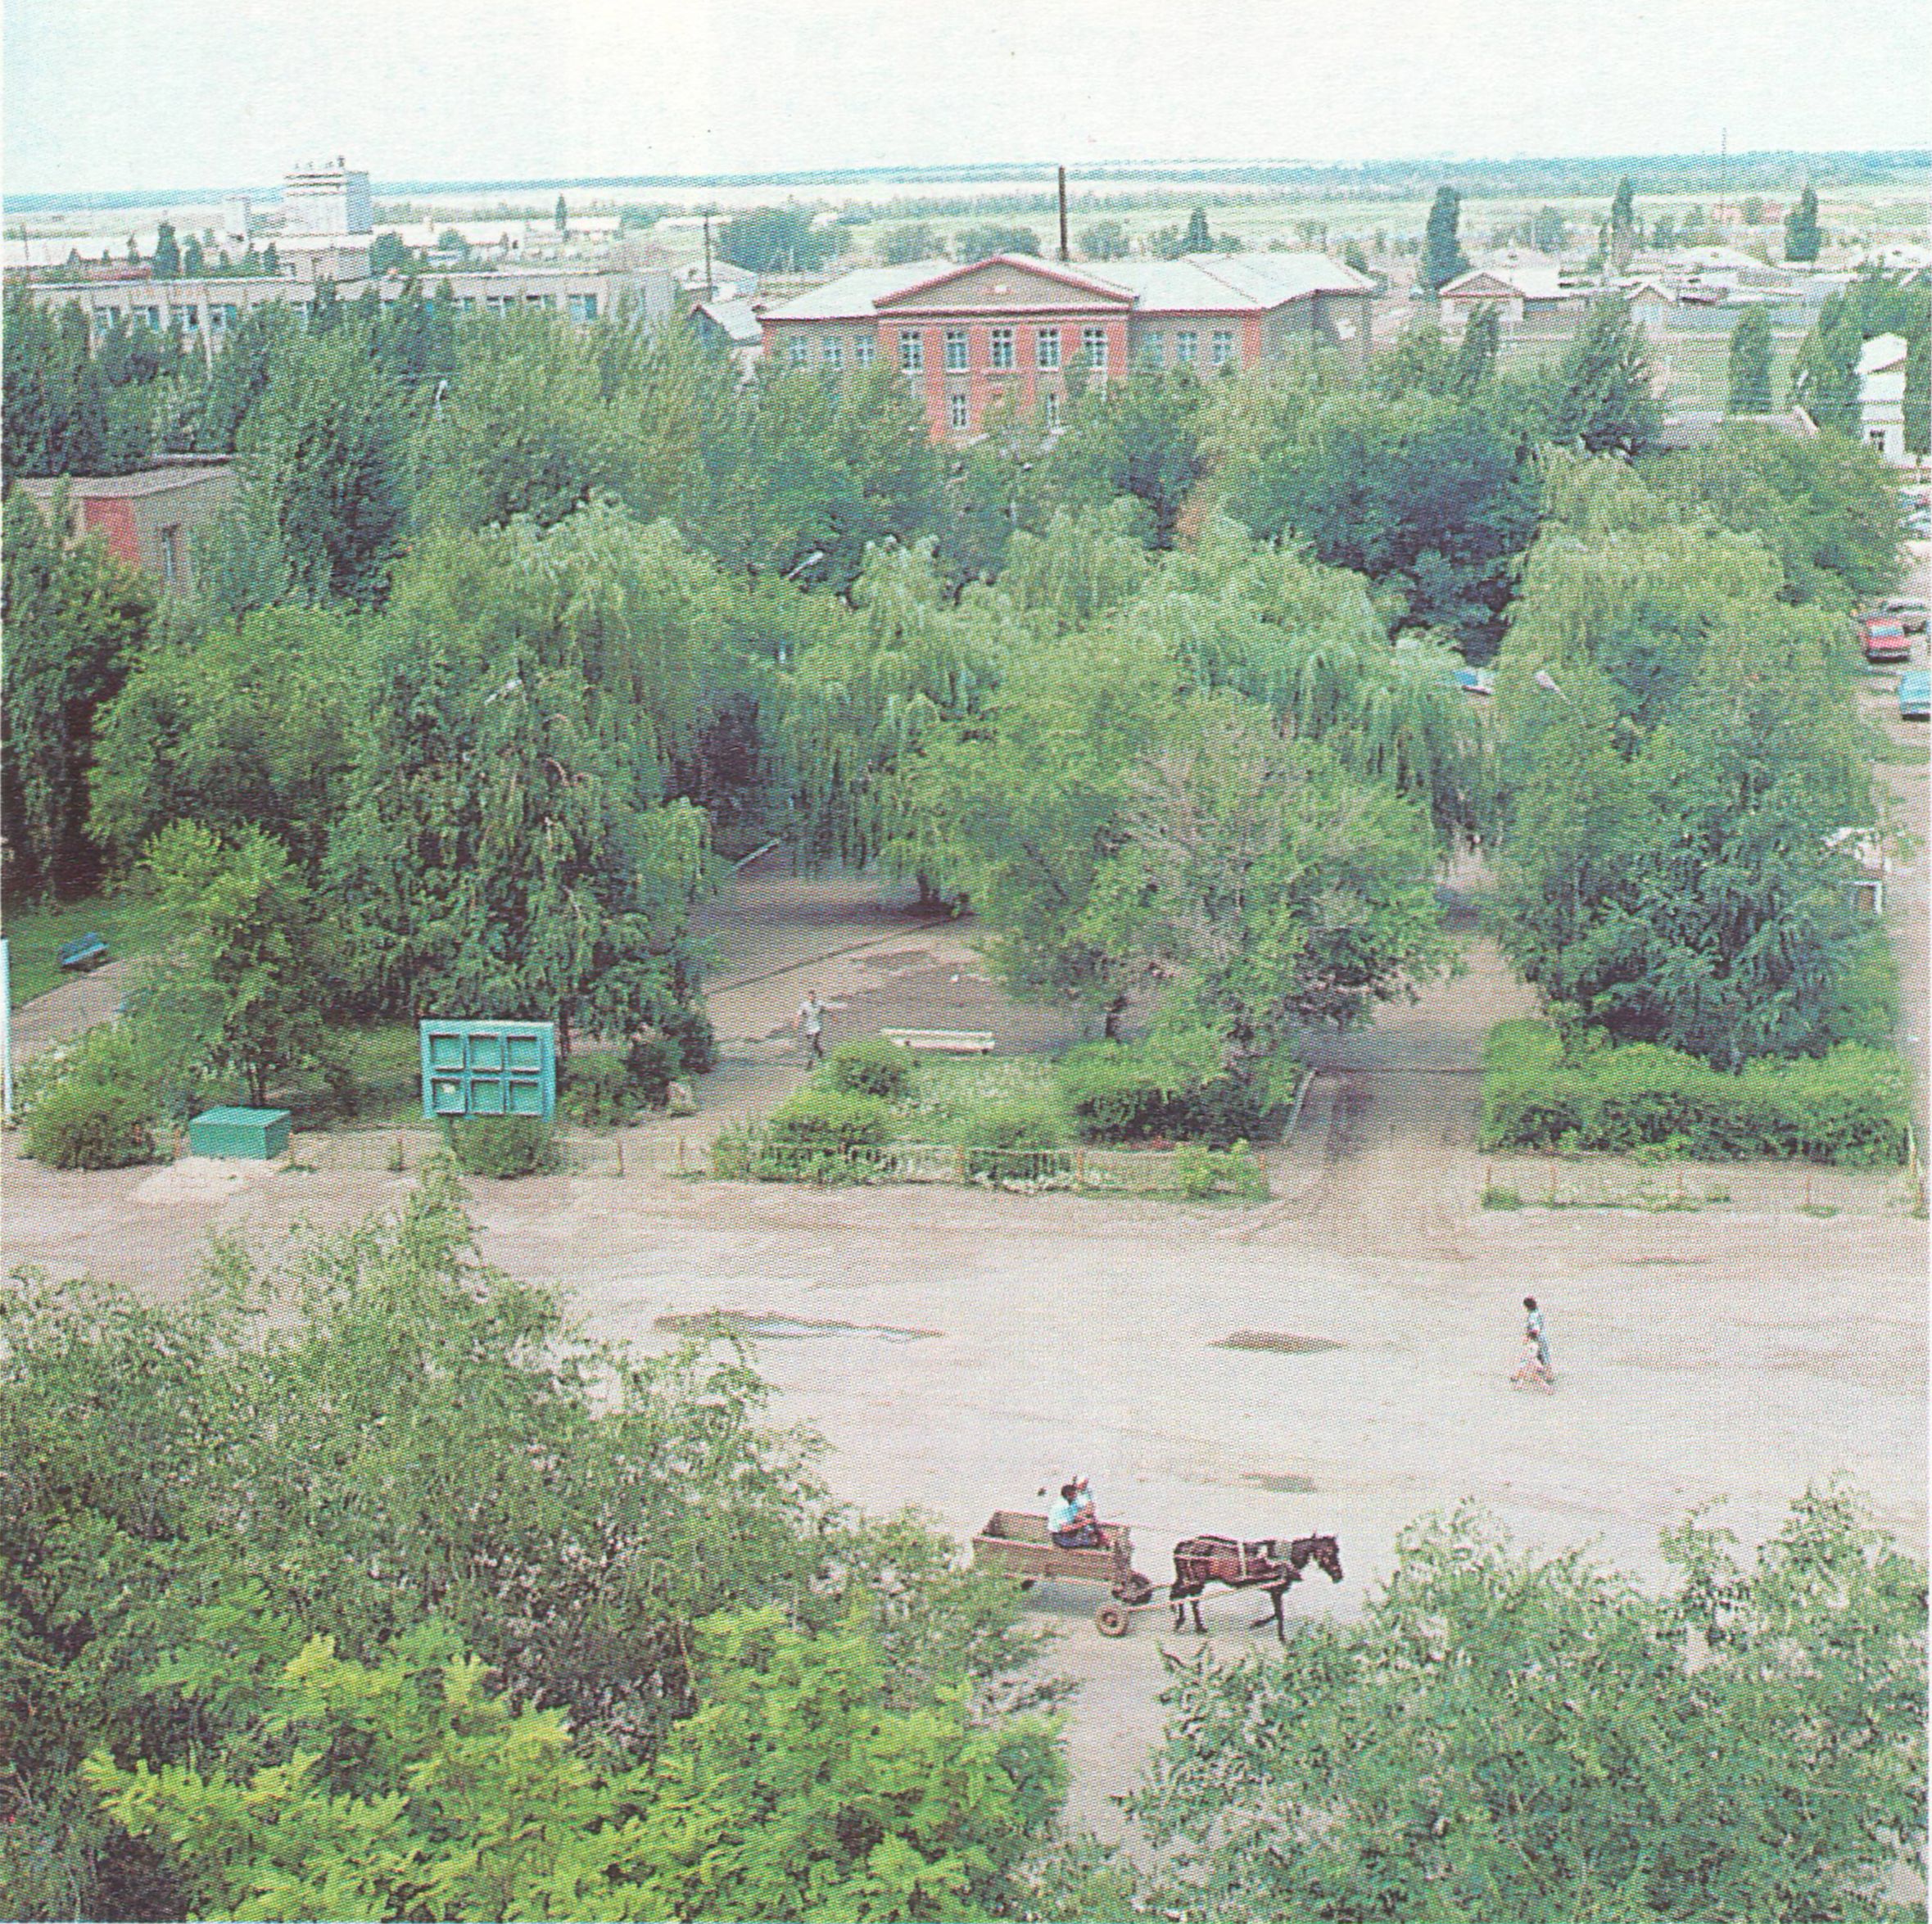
(1884, 638)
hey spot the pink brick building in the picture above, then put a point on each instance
(970, 337)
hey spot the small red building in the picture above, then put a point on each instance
(1007, 329)
(148, 518)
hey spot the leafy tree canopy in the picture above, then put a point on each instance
(1502, 1736)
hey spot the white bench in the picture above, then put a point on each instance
(949, 1042)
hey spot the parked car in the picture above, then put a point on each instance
(1884, 638)
(1915, 695)
(1909, 609)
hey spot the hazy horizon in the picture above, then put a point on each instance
(104, 99)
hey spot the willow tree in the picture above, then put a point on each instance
(858, 707)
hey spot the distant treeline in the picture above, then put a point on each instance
(1393, 179)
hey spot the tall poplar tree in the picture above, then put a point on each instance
(1802, 236)
(1750, 362)
(1442, 256)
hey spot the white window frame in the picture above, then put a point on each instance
(797, 351)
(911, 351)
(1153, 350)
(831, 352)
(958, 413)
(583, 309)
(1093, 344)
(1050, 405)
(1001, 353)
(958, 359)
(865, 351)
(1187, 347)
(1045, 347)
(1221, 347)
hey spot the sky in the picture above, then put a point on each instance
(155, 94)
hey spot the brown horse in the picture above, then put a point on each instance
(1270, 1565)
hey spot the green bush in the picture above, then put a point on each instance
(688, 1029)
(1849, 1106)
(1174, 1086)
(504, 1146)
(1201, 1172)
(654, 1063)
(1014, 1141)
(814, 1117)
(598, 1091)
(79, 1124)
(872, 1066)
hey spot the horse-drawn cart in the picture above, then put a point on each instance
(1021, 1545)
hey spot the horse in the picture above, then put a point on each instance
(1270, 1565)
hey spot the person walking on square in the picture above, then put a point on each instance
(812, 1025)
(1533, 1332)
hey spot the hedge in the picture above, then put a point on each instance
(1020, 1137)
(80, 1124)
(1173, 1087)
(504, 1146)
(1850, 1105)
(872, 1066)
(815, 1117)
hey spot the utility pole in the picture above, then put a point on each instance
(1723, 172)
(1063, 253)
(708, 289)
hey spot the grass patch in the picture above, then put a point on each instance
(1282, 1486)
(1278, 1343)
(35, 936)
(948, 1091)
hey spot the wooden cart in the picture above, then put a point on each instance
(1020, 1545)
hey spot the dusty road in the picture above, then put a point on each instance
(1738, 1349)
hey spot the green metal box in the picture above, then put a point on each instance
(252, 1135)
(489, 1068)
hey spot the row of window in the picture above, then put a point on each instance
(223, 315)
(1187, 347)
(959, 411)
(1001, 349)
(865, 351)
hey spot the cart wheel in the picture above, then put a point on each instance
(1111, 1619)
(1137, 1590)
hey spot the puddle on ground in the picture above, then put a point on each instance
(769, 1326)
(1277, 1340)
(1282, 1486)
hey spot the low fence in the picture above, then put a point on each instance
(400, 1152)
(1189, 1171)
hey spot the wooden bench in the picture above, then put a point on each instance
(948, 1041)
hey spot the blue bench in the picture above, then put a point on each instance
(83, 952)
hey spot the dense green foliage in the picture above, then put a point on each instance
(1174, 1086)
(75, 620)
(1849, 1106)
(1750, 362)
(1442, 256)
(1502, 1736)
(387, 1446)
(1674, 782)
(822, 1115)
(1802, 236)
(777, 240)
(89, 1125)
(871, 1066)
(1604, 397)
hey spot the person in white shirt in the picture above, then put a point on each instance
(1072, 1521)
(812, 1025)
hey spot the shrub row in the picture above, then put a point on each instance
(1172, 1085)
(1848, 1107)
